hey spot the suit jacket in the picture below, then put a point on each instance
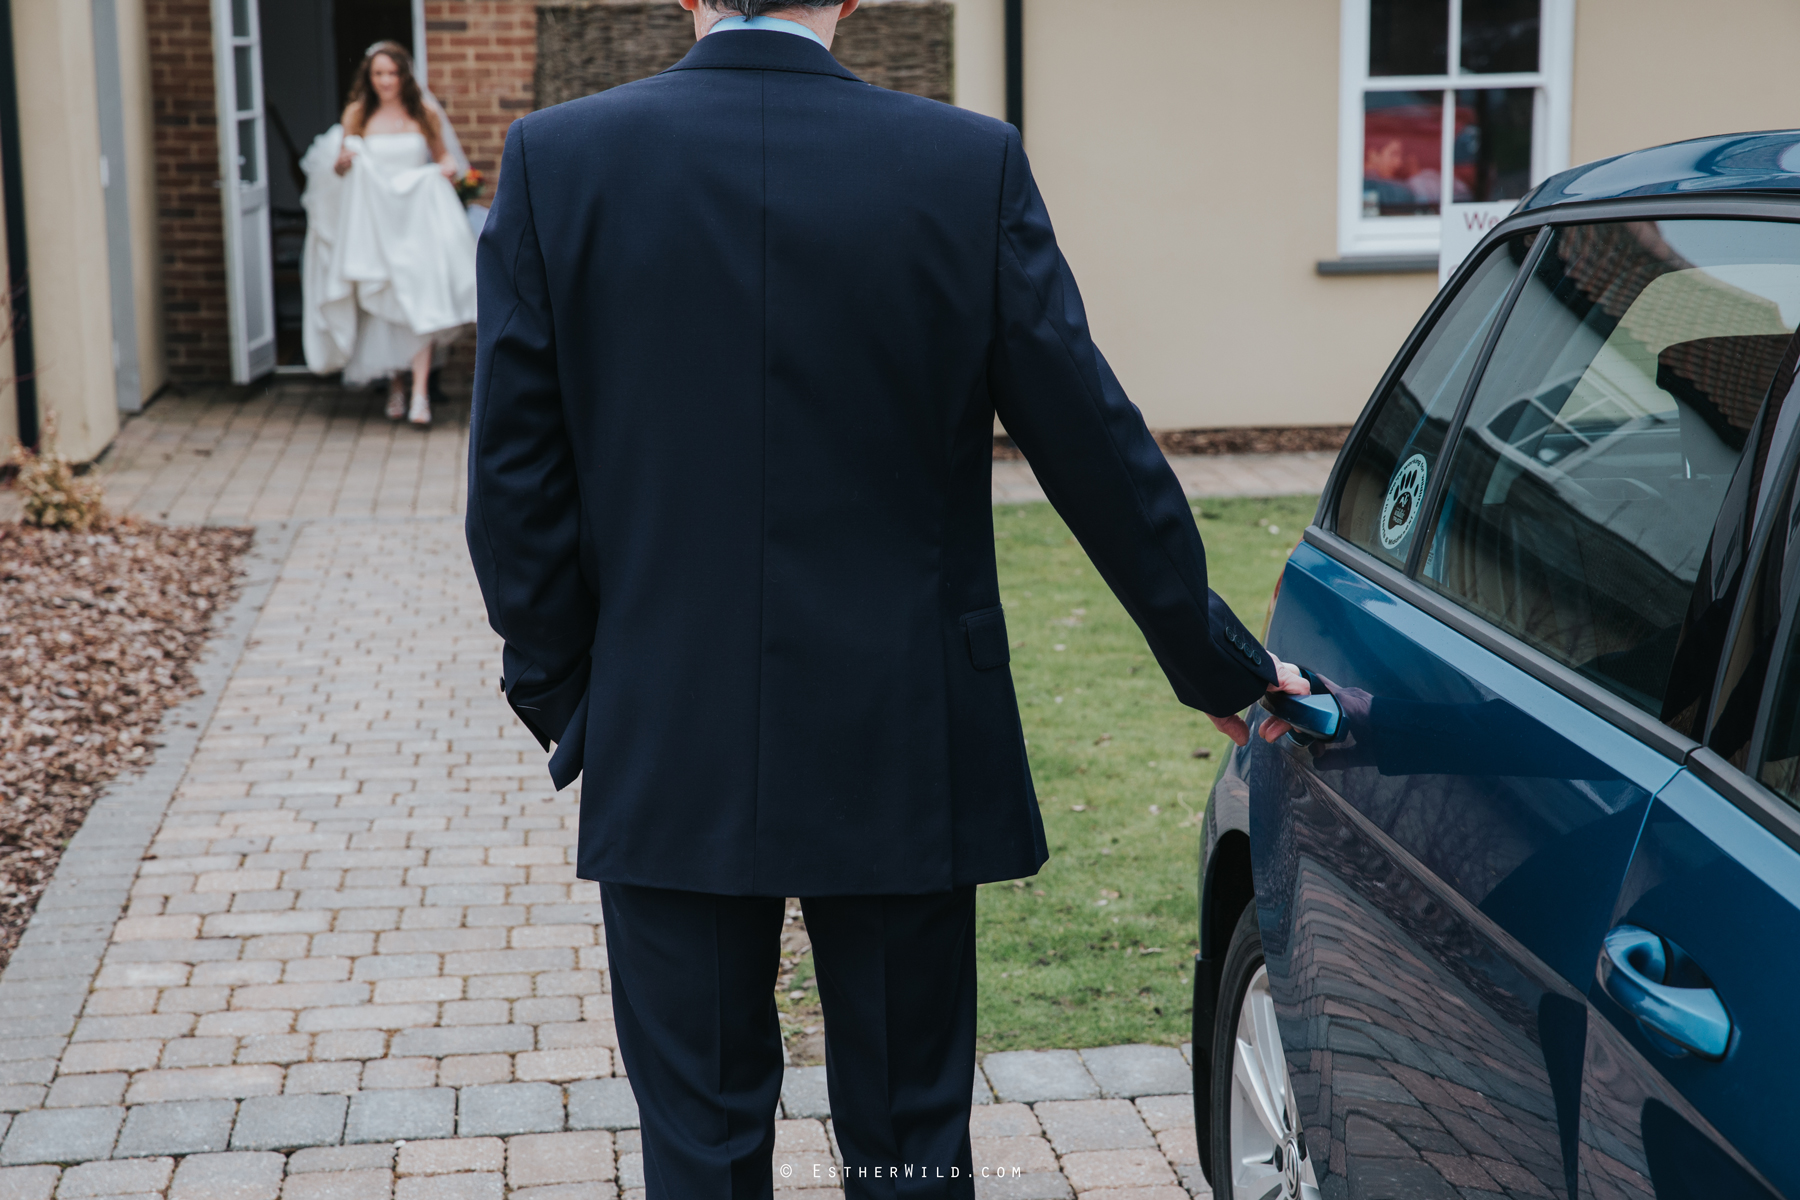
(744, 329)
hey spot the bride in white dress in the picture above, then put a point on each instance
(390, 258)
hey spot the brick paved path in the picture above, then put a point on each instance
(332, 947)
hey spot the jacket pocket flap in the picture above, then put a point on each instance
(987, 638)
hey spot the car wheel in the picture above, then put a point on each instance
(1258, 1150)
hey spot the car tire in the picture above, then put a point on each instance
(1255, 1146)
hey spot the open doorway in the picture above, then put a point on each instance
(311, 49)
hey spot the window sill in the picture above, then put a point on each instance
(1379, 264)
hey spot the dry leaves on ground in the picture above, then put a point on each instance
(97, 634)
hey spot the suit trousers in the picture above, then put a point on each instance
(693, 979)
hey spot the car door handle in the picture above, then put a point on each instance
(1633, 968)
(1314, 718)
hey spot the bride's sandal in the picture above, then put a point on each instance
(421, 410)
(396, 405)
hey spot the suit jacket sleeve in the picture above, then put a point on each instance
(1099, 465)
(524, 517)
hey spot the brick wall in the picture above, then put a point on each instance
(480, 55)
(187, 165)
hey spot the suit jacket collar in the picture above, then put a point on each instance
(761, 50)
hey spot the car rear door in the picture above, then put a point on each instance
(1515, 630)
(1689, 1075)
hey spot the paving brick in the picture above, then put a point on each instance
(804, 1094)
(1007, 1155)
(1179, 1146)
(1003, 1121)
(583, 1191)
(1029, 1076)
(382, 1073)
(446, 1156)
(20, 1096)
(469, 1039)
(280, 1048)
(110, 1056)
(465, 1070)
(1088, 1170)
(1093, 1125)
(1132, 1071)
(341, 1158)
(199, 1052)
(349, 1043)
(28, 1183)
(586, 1062)
(115, 1178)
(289, 1122)
(402, 1114)
(504, 1109)
(602, 1104)
(1166, 1112)
(205, 1083)
(180, 1127)
(260, 1023)
(535, 1160)
(86, 1091)
(483, 1186)
(61, 1135)
(1042, 1185)
(340, 1078)
(340, 1185)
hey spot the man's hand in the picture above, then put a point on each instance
(1287, 679)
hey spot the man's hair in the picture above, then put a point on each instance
(759, 8)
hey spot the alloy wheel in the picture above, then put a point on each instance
(1268, 1155)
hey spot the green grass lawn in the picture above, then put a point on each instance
(1097, 949)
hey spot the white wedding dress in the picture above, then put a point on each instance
(389, 259)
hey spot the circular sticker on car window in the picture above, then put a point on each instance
(1406, 491)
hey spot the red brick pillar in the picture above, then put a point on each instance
(198, 332)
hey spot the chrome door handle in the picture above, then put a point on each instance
(1633, 969)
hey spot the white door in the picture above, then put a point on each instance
(244, 188)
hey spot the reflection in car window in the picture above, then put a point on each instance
(1378, 507)
(1617, 429)
(1780, 766)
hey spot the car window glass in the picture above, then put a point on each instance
(1399, 448)
(1622, 407)
(1744, 668)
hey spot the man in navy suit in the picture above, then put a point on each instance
(745, 327)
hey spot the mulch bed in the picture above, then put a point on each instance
(1256, 439)
(97, 634)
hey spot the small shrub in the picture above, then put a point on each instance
(56, 497)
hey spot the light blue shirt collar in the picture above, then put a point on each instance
(774, 23)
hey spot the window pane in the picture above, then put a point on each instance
(1402, 150)
(1499, 35)
(1605, 435)
(1780, 766)
(240, 18)
(1409, 37)
(1396, 456)
(1493, 144)
(245, 82)
(247, 150)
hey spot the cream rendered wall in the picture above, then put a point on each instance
(1651, 71)
(65, 222)
(979, 46)
(140, 176)
(1187, 150)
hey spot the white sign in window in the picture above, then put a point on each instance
(1446, 102)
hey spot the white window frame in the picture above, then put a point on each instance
(1360, 236)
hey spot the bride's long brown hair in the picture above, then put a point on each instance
(364, 101)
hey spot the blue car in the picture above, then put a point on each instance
(1515, 909)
